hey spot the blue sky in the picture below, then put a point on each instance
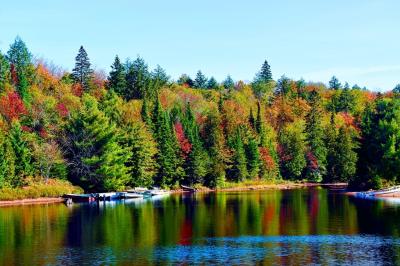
(356, 40)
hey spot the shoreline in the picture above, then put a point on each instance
(239, 188)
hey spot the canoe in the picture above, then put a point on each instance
(131, 195)
(80, 197)
(188, 189)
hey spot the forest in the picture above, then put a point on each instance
(136, 126)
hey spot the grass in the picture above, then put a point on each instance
(39, 189)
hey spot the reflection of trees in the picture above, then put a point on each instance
(132, 232)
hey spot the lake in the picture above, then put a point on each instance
(301, 226)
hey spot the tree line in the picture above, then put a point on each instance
(138, 127)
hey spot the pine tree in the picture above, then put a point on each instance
(212, 84)
(200, 82)
(342, 158)
(170, 169)
(82, 73)
(251, 119)
(159, 79)
(116, 78)
(238, 171)
(346, 100)
(95, 157)
(334, 84)
(23, 155)
(292, 150)
(185, 80)
(138, 80)
(7, 162)
(315, 140)
(4, 72)
(20, 60)
(214, 143)
(253, 158)
(265, 74)
(258, 122)
(142, 163)
(228, 83)
(198, 161)
(145, 113)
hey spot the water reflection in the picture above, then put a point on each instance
(270, 227)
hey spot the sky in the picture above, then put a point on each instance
(356, 40)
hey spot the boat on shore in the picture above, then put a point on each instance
(383, 193)
(188, 189)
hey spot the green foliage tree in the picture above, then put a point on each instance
(228, 83)
(292, 150)
(214, 142)
(334, 84)
(4, 72)
(170, 169)
(212, 84)
(7, 163)
(142, 162)
(238, 170)
(138, 80)
(342, 156)
(24, 165)
(116, 78)
(253, 158)
(315, 139)
(20, 60)
(82, 73)
(96, 160)
(200, 82)
(186, 80)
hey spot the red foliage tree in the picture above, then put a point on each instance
(267, 158)
(184, 143)
(62, 110)
(11, 106)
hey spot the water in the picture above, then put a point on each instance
(305, 226)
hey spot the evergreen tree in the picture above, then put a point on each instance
(116, 78)
(334, 84)
(96, 159)
(251, 119)
(238, 171)
(265, 74)
(346, 100)
(4, 72)
(258, 122)
(214, 143)
(142, 163)
(253, 158)
(159, 79)
(292, 150)
(23, 155)
(185, 80)
(7, 162)
(82, 73)
(343, 157)
(228, 83)
(170, 169)
(212, 84)
(145, 113)
(20, 60)
(138, 80)
(200, 82)
(198, 161)
(315, 140)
